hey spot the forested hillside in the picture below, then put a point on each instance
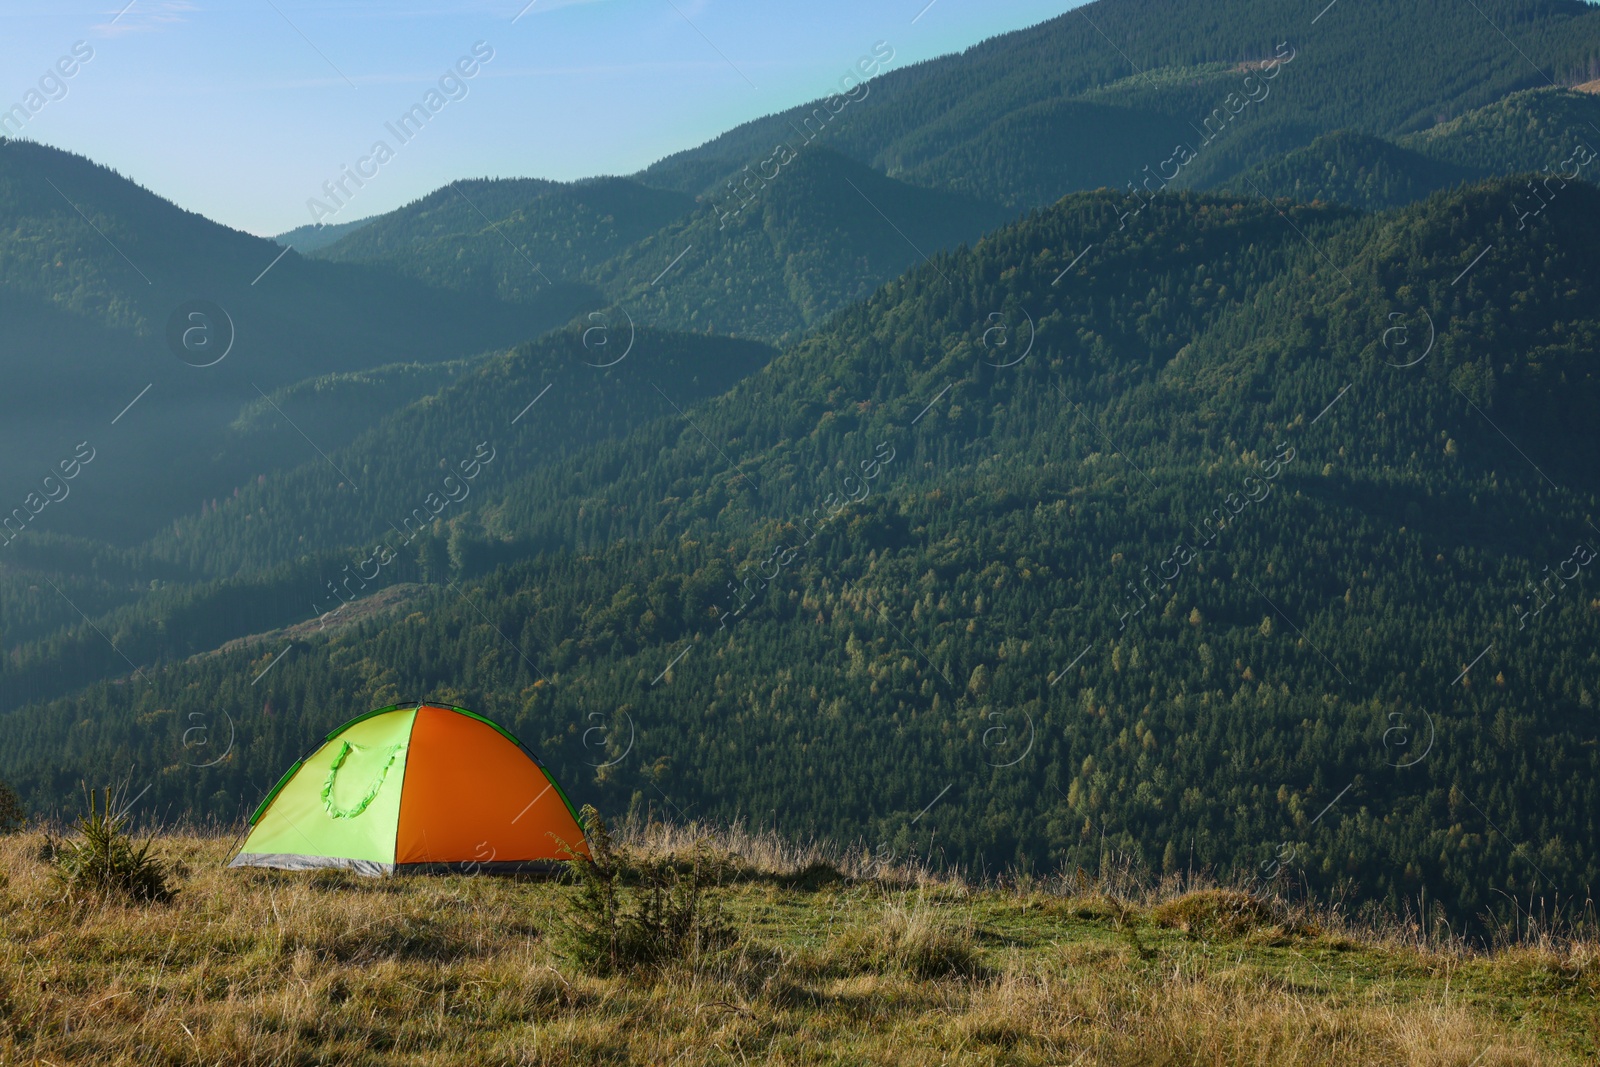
(1193, 566)
(1351, 168)
(814, 232)
(823, 233)
(96, 282)
(403, 502)
(511, 238)
(1255, 97)
(310, 238)
(1542, 131)
(1386, 69)
(1528, 131)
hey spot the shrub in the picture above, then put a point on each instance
(594, 921)
(104, 863)
(666, 916)
(12, 814)
(1214, 913)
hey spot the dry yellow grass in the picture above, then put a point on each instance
(273, 968)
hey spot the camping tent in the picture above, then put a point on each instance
(414, 787)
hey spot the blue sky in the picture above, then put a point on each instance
(242, 110)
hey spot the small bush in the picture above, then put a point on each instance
(594, 916)
(12, 813)
(104, 863)
(630, 914)
(1214, 913)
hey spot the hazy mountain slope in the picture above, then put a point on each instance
(403, 502)
(96, 577)
(1548, 130)
(342, 406)
(553, 397)
(311, 238)
(1034, 154)
(95, 273)
(821, 233)
(453, 209)
(1432, 61)
(1345, 167)
(1528, 131)
(504, 238)
(1000, 652)
(1110, 95)
(797, 243)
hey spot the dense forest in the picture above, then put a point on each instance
(1043, 464)
(1203, 560)
(1390, 70)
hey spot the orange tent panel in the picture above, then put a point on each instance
(471, 795)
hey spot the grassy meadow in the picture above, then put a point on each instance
(822, 959)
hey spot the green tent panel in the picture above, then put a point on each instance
(415, 787)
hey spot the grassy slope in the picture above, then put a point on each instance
(266, 967)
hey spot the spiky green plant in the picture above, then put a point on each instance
(668, 917)
(594, 919)
(104, 863)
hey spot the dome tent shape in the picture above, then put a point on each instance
(414, 787)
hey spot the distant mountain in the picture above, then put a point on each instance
(820, 233)
(1351, 168)
(405, 501)
(1536, 130)
(567, 393)
(341, 405)
(1036, 153)
(311, 238)
(995, 119)
(813, 232)
(510, 239)
(1125, 94)
(97, 287)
